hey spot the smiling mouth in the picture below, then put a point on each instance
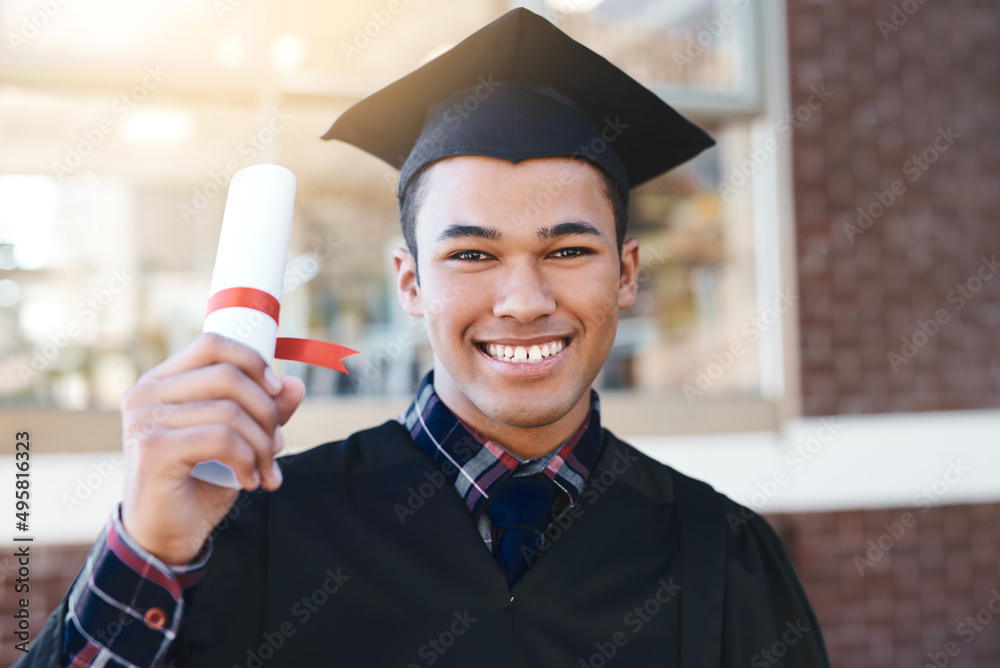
(532, 354)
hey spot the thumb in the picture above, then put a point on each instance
(292, 392)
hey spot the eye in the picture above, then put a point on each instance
(470, 256)
(572, 252)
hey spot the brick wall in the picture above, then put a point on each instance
(898, 310)
(903, 599)
(52, 569)
(902, 75)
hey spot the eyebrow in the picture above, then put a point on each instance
(566, 229)
(494, 234)
(466, 231)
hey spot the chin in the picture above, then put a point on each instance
(525, 413)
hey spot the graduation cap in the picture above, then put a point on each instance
(521, 88)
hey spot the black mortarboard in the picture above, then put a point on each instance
(521, 88)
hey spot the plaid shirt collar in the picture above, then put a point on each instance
(476, 466)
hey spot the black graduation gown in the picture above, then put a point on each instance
(367, 556)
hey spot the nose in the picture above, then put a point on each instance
(523, 292)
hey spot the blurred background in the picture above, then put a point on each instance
(817, 332)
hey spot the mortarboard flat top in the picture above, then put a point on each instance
(562, 99)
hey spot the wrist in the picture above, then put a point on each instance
(175, 552)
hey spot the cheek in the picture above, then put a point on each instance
(595, 303)
(605, 318)
(452, 304)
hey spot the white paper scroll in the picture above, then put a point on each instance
(253, 248)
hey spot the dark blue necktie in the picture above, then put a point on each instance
(519, 509)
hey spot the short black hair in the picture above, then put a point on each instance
(413, 197)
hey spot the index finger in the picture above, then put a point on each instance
(210, 348)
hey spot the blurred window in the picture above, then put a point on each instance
(121, 124)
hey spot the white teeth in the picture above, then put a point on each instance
(533, 353)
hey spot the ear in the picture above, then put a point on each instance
(407, 288)
(629, 281)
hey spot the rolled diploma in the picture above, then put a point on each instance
(253, 248)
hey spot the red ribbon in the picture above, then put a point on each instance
(252, 298)
(310, 351)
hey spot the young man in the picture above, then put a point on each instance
(495, 522)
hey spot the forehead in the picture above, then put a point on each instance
(530, 194)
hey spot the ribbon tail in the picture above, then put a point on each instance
(310, 351)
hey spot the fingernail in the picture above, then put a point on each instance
(279, 440)
(256, 479)
(272, 381)
(276, 474)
